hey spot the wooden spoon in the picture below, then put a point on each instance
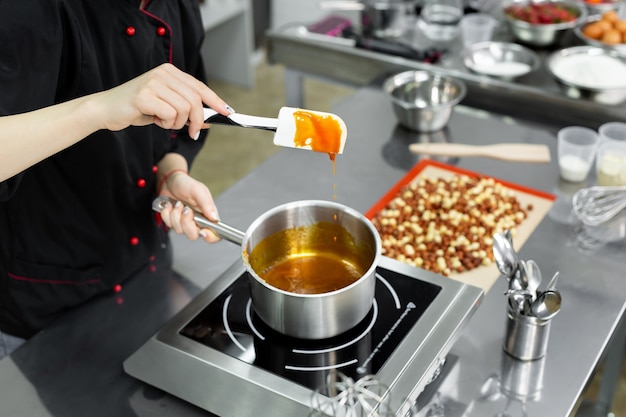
(520, 152)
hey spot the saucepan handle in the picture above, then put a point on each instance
(221, 229)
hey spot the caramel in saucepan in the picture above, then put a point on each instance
(312, 259)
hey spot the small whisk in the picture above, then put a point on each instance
(598, 204)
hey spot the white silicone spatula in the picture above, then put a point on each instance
(295, 128)
(520, 152)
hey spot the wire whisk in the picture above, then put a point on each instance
(598, 204)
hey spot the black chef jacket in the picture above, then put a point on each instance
(79, 223)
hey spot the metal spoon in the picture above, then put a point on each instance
(507, 234)
(519, 300)
(547, 305)
(515, 283)
(513, 305)
(553, 280)
(522, 275)
(506, 258)
(534, 277)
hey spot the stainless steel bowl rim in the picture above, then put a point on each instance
(584, 49)
(602, 7)
(469, 52)
(384, 5)
(548, 27)
(392, 82)
(320, 203)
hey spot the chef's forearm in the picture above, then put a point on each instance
(29, 138)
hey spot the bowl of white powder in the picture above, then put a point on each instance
(502, 60)
(590, 72)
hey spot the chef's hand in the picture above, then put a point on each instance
(165, 96)
(191, 195)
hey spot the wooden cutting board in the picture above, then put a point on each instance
(484, 276)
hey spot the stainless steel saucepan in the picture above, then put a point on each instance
(312, 265)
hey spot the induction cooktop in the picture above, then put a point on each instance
(217, 354)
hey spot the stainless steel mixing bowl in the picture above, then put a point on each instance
(578, 31)
(542, 34)
(422, 101)
(502, 60)
(597, 8)
(582, 86)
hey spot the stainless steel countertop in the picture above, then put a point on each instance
(74, 368)
(534, 97)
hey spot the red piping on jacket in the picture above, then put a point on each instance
(53, 282)
(169, 29)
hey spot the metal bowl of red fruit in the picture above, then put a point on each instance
(542, 23)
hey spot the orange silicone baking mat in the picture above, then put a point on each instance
(483, 276)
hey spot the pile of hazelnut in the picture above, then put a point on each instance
(446, 225)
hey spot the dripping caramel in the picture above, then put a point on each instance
(321, 132)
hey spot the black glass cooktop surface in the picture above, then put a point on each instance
(228, 324)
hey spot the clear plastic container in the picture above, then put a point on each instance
(576, 150)
(611, 163)
(440, 19)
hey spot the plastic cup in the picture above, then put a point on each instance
(476, 27)
(613, 131)
(611, 163)
(439, 19)
(611, 155)
(576, 152)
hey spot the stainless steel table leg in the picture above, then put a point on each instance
(611, 371)
(294, 88)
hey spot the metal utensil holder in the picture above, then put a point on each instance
(521, 380)
(526, 337)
